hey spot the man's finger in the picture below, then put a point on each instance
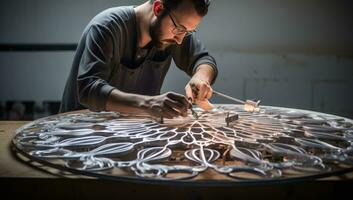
(179, 98)
(180, 107)
(195, 91)
(169, 112)
(203, 92)
(189, 93)
(205, 105)
(209, 93)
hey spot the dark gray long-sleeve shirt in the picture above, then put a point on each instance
(108, 57)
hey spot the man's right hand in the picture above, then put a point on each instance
(168, 105)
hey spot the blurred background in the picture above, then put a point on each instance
(288, 53)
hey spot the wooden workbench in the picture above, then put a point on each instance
(25, 181)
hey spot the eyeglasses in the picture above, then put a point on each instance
(178, 29)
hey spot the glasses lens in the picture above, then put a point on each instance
(179, 31)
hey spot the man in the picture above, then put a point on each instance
(125, 53)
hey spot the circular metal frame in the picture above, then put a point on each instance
(273, 145)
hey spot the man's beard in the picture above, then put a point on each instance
(156, 34)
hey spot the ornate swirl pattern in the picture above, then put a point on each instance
(275, 143)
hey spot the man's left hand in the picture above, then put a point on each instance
(199, 91)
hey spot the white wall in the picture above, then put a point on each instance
(293, 53)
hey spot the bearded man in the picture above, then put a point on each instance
(124, 55)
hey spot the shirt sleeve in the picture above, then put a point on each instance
(95, 68)
(192, 53)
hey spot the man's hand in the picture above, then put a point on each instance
(199, 88)
(168, 105)
(199, 91)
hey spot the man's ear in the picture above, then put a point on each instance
(157, 8)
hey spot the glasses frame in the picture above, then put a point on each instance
(178, 28)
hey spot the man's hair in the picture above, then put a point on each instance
(201, 6)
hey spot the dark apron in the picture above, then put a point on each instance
(146, 79)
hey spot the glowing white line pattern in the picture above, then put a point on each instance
(275, 143)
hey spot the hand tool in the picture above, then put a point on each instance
(248, 104)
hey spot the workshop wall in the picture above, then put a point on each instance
(294, 53)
